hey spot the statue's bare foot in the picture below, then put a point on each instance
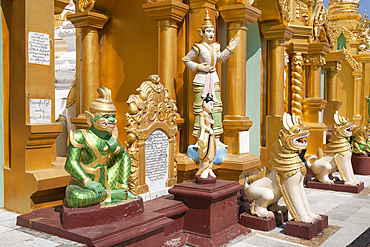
(307, 219)
(315, 216)
(205, 173)
(330, 182)
(211, 173)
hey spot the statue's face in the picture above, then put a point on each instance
(209, 34)
(208, 107)
(105, 121)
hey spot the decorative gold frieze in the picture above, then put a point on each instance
(315, 59)
(356, 66)
(301, 10)
(86, 5)
(284, 9)
(348, 34)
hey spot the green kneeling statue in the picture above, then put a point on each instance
(98, 164)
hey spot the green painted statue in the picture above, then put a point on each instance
(361, 142)
(98, 164)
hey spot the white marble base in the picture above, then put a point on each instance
(155, 194)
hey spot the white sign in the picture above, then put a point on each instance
(40, 111)
(38, 48)
(243, 142)
(156, 160)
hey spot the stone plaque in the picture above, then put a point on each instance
(40, 111)
(38, 48)
(156, 160)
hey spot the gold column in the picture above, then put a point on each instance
(313, 105)
(238, 162)
(276, 36)
(167, 13)
(357, 77)
(333, 65)
(89, 23)
(364, 59)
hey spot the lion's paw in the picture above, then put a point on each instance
(270, 215)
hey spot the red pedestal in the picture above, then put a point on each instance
(262, 224)
(95, 215)
(306, 230)
(337, 186)
(163, 218)
(361, 164)
(211, 219)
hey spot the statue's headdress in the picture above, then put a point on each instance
(208, 98)
(206, 24)
(103, 103)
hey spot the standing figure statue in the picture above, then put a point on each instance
(206, 79)
(98, 164)
(206, 140)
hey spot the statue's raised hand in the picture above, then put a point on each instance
(234, 43)
(112, 144)
(94, 186)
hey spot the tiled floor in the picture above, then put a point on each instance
(351, 212)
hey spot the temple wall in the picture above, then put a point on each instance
(345, 91)
(1, 124)
(128, 50)
(253, 92)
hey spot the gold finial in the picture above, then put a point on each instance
(103, 103)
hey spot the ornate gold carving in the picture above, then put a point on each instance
(356, 66)
(338, 66)
(348, 34)
(151, 105)
(315, 59)
(297, 96)
(322, 30)
(86, 5)
(72, 95)
(284, 10)
(301, 10)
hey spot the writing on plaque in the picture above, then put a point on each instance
(38, 48)
(40, 111)
(156, 160)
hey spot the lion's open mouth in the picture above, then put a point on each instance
(301, 140)
(349, 129)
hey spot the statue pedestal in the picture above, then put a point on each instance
(306, 230)
(97, 215)
(361, 164)
(337, 186)
(211, 219)
(262, 224)
(162, 220)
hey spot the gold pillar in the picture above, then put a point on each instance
(357, 77)
(333, 65)
(297, 84)
(167, 13)
(313, 104)
(32, 179)
(238, 162)
(364, 59)
(276, 36)
(89, 23)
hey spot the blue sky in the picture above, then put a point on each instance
(364, 4)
